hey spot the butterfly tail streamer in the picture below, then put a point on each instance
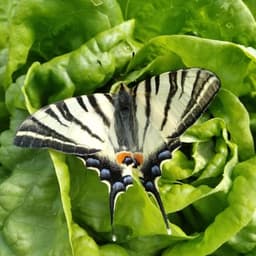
(151, 188)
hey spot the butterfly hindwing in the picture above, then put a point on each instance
(111, 174)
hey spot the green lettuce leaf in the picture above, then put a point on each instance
(249, 102)
(82, 243)
(112, 250)
(4, 115)
(31, 212)
(228, 107)
(46, 29)
(251, 5)
(240, 210)
(6, 8)
(239, 62)
(244, 241)
(83, 70)
(222, 20)
(210, 170)
(4, 15)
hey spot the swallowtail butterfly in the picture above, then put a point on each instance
(136, 127)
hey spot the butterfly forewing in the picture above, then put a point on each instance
(77, 125)
(168, 104)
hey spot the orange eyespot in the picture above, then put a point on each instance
(138, 157)
(125, 157)
(120, 156)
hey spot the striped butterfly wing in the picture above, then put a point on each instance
(78, 125)
(166, 106)
(83, 126)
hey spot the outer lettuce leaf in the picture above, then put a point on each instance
(250, 99)
(4, 14)
(3, 112)
(228, 107)
(249, 102)
(31, 215)
(112, 250)
(239, 63)
(45, 29)
(240, 210)
(83, 70)
(209, 170)
(83, 244)
(14, 99)
(244, 241)
(5, 11)
(251, 5)
(226, 250)
(222, 20)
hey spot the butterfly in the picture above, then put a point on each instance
(134, 128)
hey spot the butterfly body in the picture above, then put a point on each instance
(135, 128)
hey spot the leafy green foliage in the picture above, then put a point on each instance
(222, 20)
(83, 70)
(51, 50)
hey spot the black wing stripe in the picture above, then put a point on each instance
(109, 98)
(183, 77)
(197, 89)
(81, 103)
(147, 97)
(98, 109)
(36, 134)
(52, 113)
(201, 96)
(63, 108)
(157, 83)
(134, 99)
(172, 90)
(38, 127)
(198, 93)
(32, 140)
(134, 94)
(135, 107)
(148, 107)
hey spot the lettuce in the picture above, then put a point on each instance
(102, 57)
(50, 50)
